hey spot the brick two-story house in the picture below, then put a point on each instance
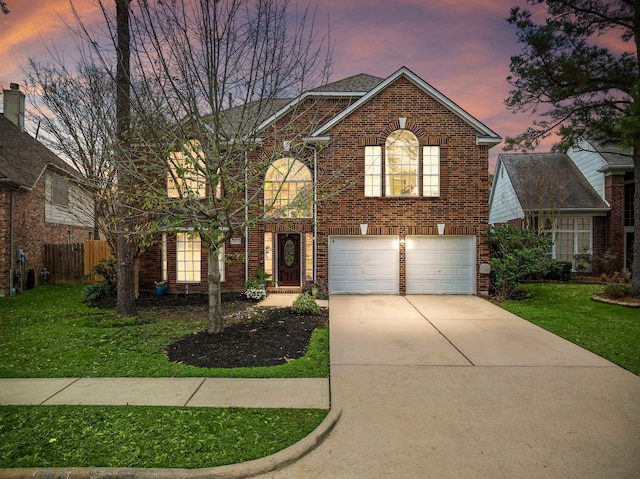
(41, 200)
(406, 216)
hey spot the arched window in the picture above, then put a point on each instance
(401, 164)
(288, 189)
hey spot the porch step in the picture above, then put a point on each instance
(284, 290)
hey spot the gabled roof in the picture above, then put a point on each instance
(485, 134)
(23, 159)
(350, 87)
(551, 178)
(614, 156)
(357, 83)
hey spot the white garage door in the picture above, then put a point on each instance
(363, 265)
(441, 264)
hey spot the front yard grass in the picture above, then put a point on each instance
(48, 332)
(610, 331)
(149, 437)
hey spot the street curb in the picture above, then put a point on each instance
(242, 470)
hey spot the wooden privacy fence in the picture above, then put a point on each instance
(71, 263)
(94, 251)
(65, 263)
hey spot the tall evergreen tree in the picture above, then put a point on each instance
(579, 68)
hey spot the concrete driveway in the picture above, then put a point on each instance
(455, 387)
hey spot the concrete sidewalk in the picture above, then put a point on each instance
(197, 392)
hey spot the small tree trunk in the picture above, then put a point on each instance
(126, 303)
(635, 266)
(216, 324)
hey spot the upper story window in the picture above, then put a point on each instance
(401, 164)
(187, 176)
(403, 167)
(288, 189)
(59, 190)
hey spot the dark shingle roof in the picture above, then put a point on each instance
(550, 180)
(355, 83)
(613, 155)
(23, 158)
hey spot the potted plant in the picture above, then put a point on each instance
(161, 288)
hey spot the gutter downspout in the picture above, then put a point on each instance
(11, 241)
(315, 213)
(246, 219)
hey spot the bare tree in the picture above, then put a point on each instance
(203, 57)
(74, 108)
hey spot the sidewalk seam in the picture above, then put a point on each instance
(60, 390)
(194, 392)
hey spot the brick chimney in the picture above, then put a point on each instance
(14, 105)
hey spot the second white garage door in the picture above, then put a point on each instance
(363, 265)
(441, 265)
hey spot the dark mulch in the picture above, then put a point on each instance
(276, 338)
(253, 335)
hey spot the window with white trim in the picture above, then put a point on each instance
(288, 189)
(372, 171)
(401, 164)
(188, 257)
(404, 173)
(573, 236)
(430, 171)
(187, 176)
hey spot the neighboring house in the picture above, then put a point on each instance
(41, 201)
(407, 215)
(585, 197)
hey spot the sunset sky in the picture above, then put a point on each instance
(461, 48)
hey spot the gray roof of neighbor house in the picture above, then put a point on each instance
(550, 178)
(361, 83)
(613, 155)
(23, 159)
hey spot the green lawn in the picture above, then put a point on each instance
(48, 332)
(124, 436)
(566, 310)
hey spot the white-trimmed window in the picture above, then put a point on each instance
(430, 171)
(288, 189)
(221, 262)
(401, 164)
(405, 172)
(372, 171)
(188, 257)
(573, 236)
(187, 176)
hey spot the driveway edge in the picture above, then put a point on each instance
(233, 471)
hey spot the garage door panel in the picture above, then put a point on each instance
(441, 264)
(363, 265)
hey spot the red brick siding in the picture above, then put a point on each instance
(462, 205)
(30, 231)
(614, 194)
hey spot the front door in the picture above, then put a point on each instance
(289, 259)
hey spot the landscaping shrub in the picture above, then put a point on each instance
(103, 289)
(256, 288)
(617, 290)
(305, 304)
(517, 255)
(560, 271)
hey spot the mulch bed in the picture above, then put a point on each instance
(276, 338)
(253, 336)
